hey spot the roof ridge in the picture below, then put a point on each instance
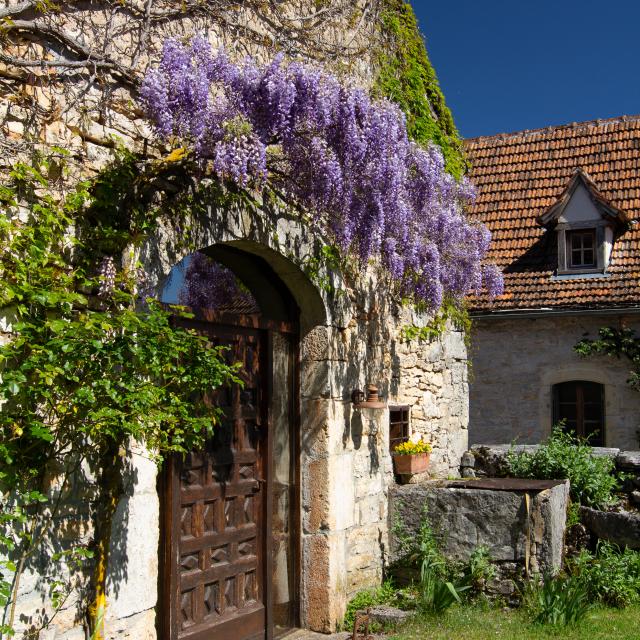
(549, 128)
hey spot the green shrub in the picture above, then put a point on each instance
(561, 601)
(479, 570)
(442, 581)
(562, 456)
(384, 594)
(413, 549)
(610, 576)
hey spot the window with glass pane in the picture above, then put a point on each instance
(581, 248)
(580, 404)
(398, 425)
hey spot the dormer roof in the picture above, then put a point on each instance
(581, 179)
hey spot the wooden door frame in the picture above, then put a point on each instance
(168, 479)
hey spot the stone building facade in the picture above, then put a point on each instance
(562, 206)
(346, 335)
(516, 363)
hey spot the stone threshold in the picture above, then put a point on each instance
(307, 634)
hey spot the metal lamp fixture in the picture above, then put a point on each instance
(373, 400)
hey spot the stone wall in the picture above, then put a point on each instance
(521, 523)
(351, 336)
(351, 329)
(515, 363)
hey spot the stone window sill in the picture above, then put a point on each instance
(583, 273)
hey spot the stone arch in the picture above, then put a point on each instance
(248, 238)
(591, 372)
(266, 271)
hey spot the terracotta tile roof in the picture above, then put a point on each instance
(521, 175)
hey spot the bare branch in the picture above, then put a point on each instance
(41, 28)
(16, 9)
(63, 62)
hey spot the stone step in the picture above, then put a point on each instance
(307, 634)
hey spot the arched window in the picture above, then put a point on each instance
(581, 405)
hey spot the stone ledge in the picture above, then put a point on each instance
(628, 461)
(465, 515)
(621, 528)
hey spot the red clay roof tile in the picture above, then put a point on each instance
(520, 175)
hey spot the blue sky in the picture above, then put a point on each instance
(506, 65)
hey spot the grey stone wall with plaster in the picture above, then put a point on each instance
(515, 363)
(349, 338)
(521, 528)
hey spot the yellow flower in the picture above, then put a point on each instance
(414, 446)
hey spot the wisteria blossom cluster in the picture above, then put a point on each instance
(208, 284)
(342, 156)
(106, 277)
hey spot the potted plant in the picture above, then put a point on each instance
(412, 457)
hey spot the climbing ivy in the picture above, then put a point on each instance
(450, 311)
(406, 76)
(89, 368)
(615, 343)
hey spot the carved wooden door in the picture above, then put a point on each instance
(218, 510)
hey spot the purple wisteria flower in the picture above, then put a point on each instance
(209, 285)
(347, 158)
(106, 277)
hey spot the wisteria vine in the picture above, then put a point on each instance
(343, 157)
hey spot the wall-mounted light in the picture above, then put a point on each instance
(373, 400)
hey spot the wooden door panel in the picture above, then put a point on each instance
(218, 507)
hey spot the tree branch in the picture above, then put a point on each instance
(16, 9)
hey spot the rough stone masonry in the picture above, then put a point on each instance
(351, 337)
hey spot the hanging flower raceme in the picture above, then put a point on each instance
(342, 156)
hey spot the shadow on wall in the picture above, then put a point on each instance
(55, 578)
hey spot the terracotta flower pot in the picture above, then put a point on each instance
(406, 464)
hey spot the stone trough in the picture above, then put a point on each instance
(521, 522)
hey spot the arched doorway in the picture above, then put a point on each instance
(231, 511)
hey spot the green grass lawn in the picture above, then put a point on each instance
(482, 623)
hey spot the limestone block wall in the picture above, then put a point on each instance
(516, 362)
(133, 570)
(351, 336)
(346, 463)
(432, 378)
(352, 340)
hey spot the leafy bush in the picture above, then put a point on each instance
(563, 456)
(561, 601)
(384, 594)
(441, 581)
(479, 570)
(610, 576)
(413, 549)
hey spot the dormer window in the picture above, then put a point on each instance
(581, 249)
(586, 225)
